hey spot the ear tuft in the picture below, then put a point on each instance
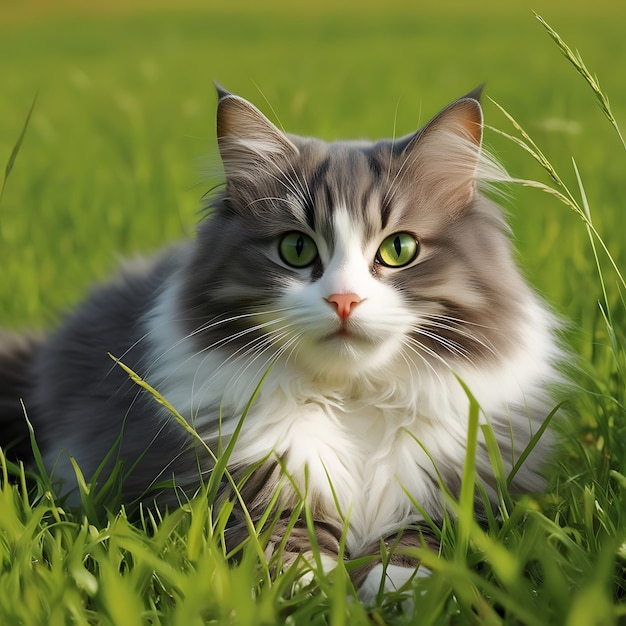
(445, 155)
(475, 94)
(221, 91)
(248, 142)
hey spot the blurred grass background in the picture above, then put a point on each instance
(121, 140)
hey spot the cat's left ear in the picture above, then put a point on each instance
(249, 143)
(445, 154)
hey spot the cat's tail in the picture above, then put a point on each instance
(16, 356)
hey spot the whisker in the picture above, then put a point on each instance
(219, 343)
(303, 185)
(417, 348)
(255, 349)
(428, 351)
(449, 345)
(294, 205)
(213, 323)
(409, 159)
(434, 322)
(411, 367)
(393, 143)
(270, 342)
(290, 185)
(458, 320)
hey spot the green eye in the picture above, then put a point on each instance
(397, 250)
(297, 249)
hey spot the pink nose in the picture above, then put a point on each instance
(344, 303)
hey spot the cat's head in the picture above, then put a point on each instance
(349, 255)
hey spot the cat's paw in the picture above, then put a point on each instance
(391, 579)
(309, 569)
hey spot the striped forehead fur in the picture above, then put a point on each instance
(370, 180)
(367, 177)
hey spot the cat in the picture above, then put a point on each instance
(356, 283)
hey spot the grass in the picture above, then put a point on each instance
(112, 161)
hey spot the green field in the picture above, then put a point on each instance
(117, 155)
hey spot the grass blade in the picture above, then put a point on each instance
(466, 497)
(531, 444)
(16, 149)
(576, 60)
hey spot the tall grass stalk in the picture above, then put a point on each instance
(16, 149)
(576, 60)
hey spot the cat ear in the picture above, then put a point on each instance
(445, 155)
(476, 93)
(248, 142)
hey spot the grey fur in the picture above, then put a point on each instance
(16, 356)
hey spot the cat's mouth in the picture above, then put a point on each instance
(351, 335)
(342, 333)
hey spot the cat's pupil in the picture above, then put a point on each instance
(397, 245)
(397, 250)
(297, 249)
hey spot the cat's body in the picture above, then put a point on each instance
(358, 280)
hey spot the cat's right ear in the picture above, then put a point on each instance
(248, 142)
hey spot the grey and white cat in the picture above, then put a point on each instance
(362, 279)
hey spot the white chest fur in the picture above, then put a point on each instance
(360, 442)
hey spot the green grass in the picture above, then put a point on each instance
(115, 160)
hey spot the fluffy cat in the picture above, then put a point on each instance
(361, 279)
